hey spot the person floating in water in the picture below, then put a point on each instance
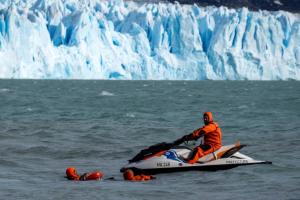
(71, 174)
(129, 176)
(212, 138)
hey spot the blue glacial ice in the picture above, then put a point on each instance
(94, 39)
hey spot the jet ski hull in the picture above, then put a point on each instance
(191, 168)
(174, 160)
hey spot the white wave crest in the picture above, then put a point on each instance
(105, 93)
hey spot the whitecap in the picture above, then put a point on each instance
(105, 93)
(131, 115)
(4, 90)
(243, 107)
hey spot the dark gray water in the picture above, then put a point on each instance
(46, 126)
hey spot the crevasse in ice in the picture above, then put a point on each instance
(94, 39)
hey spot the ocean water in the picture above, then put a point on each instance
(48, 125)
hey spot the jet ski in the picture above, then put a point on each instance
(165, 158)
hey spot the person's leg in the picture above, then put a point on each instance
(205, 147)
(199, 152)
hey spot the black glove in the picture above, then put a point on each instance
(181, 140)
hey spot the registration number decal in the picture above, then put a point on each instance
(163, 164)
(236, 161)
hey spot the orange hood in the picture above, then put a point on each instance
(210, 116)
(72, 173)
(128, 175)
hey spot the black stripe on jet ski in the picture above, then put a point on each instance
(195, 168)
(232, 151)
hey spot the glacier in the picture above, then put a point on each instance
(118, 39)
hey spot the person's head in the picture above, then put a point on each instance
(71, 173)
(128, 174)
(207, 118)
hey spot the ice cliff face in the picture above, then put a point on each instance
(95, 39)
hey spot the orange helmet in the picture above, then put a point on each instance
(207, 118)
(72, 173)
(128, 174)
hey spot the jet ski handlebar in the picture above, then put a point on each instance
(182, 140)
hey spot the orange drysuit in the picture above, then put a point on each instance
(71, 174)
(129, 176)
(212, 138)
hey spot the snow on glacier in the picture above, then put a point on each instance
(94, 39)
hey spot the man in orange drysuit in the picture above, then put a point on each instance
(71, 174)
(212, 138)
(129, 176)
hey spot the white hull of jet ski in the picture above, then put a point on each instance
(174, 160)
